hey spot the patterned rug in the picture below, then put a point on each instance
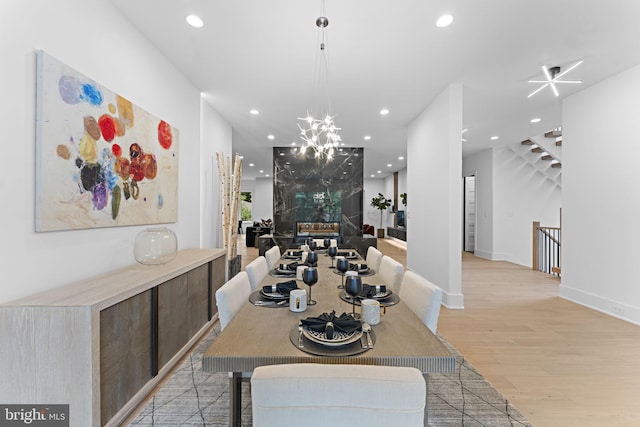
(192, 397)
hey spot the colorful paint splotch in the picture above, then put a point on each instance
(102, 161)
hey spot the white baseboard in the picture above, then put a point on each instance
(453, 301)
(603, 305)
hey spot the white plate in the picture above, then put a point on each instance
(379, 295)
(339, 338)
(273, 295)
(285, 271)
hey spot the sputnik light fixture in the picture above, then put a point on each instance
(552, 77)
(318, 130)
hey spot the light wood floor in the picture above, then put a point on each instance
(559, 363)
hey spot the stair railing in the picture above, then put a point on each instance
(546, 249)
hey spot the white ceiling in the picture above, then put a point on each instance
(262, 54)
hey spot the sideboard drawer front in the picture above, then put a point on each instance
(125, 352)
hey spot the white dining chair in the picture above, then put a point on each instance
(257, 270)
(321, 395)
(273, 255)
(373, 258)
(231, 296)
(423, 297)
(390, 272)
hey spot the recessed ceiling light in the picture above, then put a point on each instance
(444, 21)
(241, 157)
(251, 164)
(384, 112)
(389, 165)
(379, 171)
(373, 176)
(493, 138)
(400, 157)
(271, 137)
(282, 153)
(254, 112)
(194, 21)
(535, 120)
(367, 137)
(267, 175)
(293, 144)
(261, 171)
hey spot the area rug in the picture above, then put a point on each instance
(192, 397)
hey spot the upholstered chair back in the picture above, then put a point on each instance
(423, 297)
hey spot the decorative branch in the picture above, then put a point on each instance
(230, 193)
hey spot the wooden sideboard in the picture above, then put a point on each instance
(102, 344)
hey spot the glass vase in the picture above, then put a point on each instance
(156, 245)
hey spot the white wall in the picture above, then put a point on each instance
(402, 187)
(601, 148)
(434, 215)
(521, 195)
(481, 165)
(215, 134)
(262, 199)
(511, 194)
(92, 37)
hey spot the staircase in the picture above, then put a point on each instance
(544, 154)
(553, 138)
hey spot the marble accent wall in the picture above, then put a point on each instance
(295, 175)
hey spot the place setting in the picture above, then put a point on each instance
(379, 293)
(293, 254)
(278, 295)
(331, 335)
(285, 270)
(343, 265)
(348, 254)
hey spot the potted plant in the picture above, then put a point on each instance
(381, 203)
(403, 198)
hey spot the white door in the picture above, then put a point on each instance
(469, 213)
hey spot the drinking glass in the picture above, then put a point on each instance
(353, 287)
(343, 266)
(312, 258)
(332, 251)
(313, 245)
(327, 242)
(310, 277)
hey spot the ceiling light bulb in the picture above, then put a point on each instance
(535, 120)
(251, 164)
(384, 112)
(389, 165)
(254, 112)
(194, 21)
(444, 21)
(493, 138)
(400, 157)
(271, 137)
(367, 138)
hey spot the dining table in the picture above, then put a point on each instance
(267, 334)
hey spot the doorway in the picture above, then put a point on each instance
(469, 214)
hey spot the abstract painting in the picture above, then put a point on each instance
(101, 161)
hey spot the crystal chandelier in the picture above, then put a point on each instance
(319, 132)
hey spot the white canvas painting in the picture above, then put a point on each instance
(102, 161)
